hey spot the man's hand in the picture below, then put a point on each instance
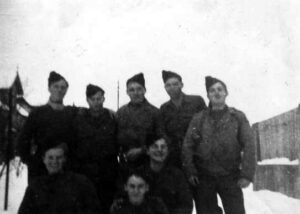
(194, 180)
(134, 153)
(243, 182)
(117, 203)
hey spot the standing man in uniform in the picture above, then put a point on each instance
(97, 145)
(135, 120)
(51, 119)
(177, 113)
(218, 153)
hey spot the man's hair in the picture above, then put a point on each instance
(151, 138)
(54, 143)
(139, 172)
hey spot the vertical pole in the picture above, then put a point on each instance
(118, 101)
(8, 146)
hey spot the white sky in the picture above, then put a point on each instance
(252, 45)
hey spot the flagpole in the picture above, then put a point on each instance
(118, 101)
(8, 146)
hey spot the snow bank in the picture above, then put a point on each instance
(17, 186)
(279, 161)
(277, 203)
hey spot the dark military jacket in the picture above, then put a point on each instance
(176, 120)
(44, 122)
(135, 121)
(96, 153)
(171, 186)
(65, 193)
(219, 147)
(149, 206)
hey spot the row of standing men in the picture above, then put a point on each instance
(211, 144)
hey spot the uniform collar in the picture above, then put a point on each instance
(56, 106)
(144, 102)
(184, 101)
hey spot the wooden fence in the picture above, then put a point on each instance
(275, 138)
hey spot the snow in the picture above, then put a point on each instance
(17, 186)
(279, 161)
(260, 202)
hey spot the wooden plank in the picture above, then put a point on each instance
(278, 178)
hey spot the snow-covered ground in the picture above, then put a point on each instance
(260, 202)
(279, 161)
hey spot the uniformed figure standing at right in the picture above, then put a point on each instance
(219, 154)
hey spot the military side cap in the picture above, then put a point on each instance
(54, 77)
(209, 81)
(169, 74)
(92, 90)
(138, 78)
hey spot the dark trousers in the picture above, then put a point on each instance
(205, 195)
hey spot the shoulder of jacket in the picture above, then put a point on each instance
(152, 107)
(122, 108)
(164, 105)
(81, 111)
(111, 113)
(194, 97)
(38, 110)
(237, 113)
(200, 114)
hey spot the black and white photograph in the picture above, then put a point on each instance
(149, 106)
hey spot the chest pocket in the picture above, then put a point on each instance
(202, 137)
(227, 147)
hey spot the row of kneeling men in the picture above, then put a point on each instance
(133, 161)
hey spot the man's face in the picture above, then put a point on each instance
(96, 101)
(58, 91)
(54, 160)
(136, 188)
(158, 151)
(136, 92)
(217, 94)
(173, 87)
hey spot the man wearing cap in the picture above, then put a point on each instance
(97, 146)
(135, 120)
(177, 113)
(218, 153)
(52, 119)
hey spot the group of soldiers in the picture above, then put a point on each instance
(140, 159)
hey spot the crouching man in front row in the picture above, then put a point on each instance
(59, 191)
(138, 201)
(219, 154)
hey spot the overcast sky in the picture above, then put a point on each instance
(252, 45)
